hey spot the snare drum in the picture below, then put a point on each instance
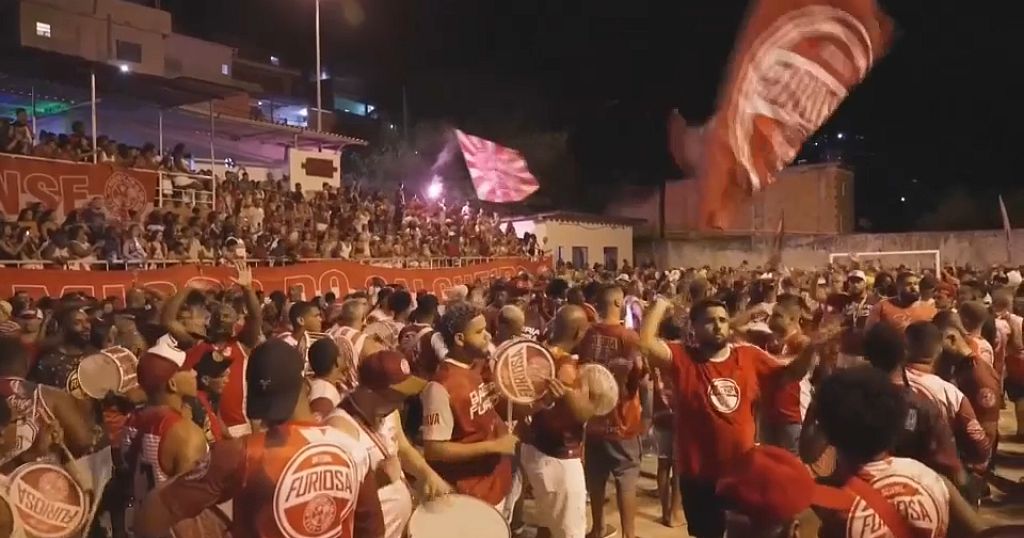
(111, 370)
(602, 386)
(49, 503)
(457, 515)
(522, 369)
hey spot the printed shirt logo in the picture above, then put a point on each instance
(724, 395)
(482, 400)
(918, 507)
(315, 493)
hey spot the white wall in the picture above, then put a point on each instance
(562, 236)
(197, 58)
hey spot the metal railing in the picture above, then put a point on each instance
(136, 265)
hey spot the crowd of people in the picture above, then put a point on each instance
(869, 398)
(264, 221)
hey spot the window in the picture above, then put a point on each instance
(129, 52)
(43, 29)
(579, 257)
(225, 70)
(611, 258)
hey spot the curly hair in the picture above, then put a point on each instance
(456, 318)
(861, 412)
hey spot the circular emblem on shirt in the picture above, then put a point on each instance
(724, 394)
(49, 502)
(917, 506)
(315, 493)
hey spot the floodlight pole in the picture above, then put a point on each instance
(160, 132)
(35, 132)
(319, 90)
(213, 169)
(92, 90)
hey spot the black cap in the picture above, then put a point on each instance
(274, 379)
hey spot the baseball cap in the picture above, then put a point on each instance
(857, 273)
(159, 364)
(274, 379)
(771, 485)
(389, 369)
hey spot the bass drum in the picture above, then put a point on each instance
(459, 516)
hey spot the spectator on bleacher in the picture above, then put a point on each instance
(20, 137)
(80, 142)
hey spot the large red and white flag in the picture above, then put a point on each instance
(499, 173)
(794, 62)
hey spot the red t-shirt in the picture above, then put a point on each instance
(296, 480)
(887, 311)
(555, 431)
(787, 404)
(617, 348)
(232, 400)
(714, 406)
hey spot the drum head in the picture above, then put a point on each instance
(522, 369)
(459, 516)
(603, 388)
(49, 502)
(98, 375)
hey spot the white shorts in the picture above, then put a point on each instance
(560, 488)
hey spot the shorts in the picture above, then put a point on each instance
(559, 486)
(1014, 390)
(665, 439)
(703, 508)
(615, 457)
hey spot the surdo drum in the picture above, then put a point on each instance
(112, 370)
(522, 369)
(602, 387)
(49, 502)
(457, 515)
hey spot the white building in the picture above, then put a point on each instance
(580, 238)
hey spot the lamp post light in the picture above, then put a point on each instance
(319, 72)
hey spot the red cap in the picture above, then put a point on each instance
(388, 369)
(770, 486)
(159, 364)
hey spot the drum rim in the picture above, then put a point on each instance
(528, 343)
(460, 497)
(606, 372)
(16, 478)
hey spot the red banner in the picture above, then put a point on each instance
(794, 63)
(314, 278)
(64, 186)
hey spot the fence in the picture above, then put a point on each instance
(121, 265)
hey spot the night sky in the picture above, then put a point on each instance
(937, 118)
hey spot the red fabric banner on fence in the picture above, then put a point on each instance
(64, 186)
(313, 278)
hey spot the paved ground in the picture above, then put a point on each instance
(1004, 508)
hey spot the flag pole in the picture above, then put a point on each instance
(1007, 230)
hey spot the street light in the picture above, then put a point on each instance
(319, 80)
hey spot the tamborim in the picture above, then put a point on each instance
(457, 515)
(602, 386)
(113, 369)
(522, 369)
(49, 502)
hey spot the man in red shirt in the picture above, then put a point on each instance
(784, 406)
(905, 308)
(717, 384)
(297, 478)
(464, 438)
(613, 440)
(552, 446)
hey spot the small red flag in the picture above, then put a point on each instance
(793, 63)
(499, 173)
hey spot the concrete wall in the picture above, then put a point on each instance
(980, 248)
(198, 58)
(562, 236)
(815, 198)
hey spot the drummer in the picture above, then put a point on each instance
(552, 445)
(192, 333)
(385, 382)
(464, 438)
(38, 410)
(162, 442)
(509, 323)
(295, 476)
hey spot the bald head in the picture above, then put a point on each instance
(353, 313)
(511, 321)
(568, 327)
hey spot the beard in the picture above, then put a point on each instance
(910, 297)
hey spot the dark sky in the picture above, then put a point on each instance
(942, 109)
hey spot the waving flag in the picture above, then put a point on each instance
(499, 174)
(794, 62)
